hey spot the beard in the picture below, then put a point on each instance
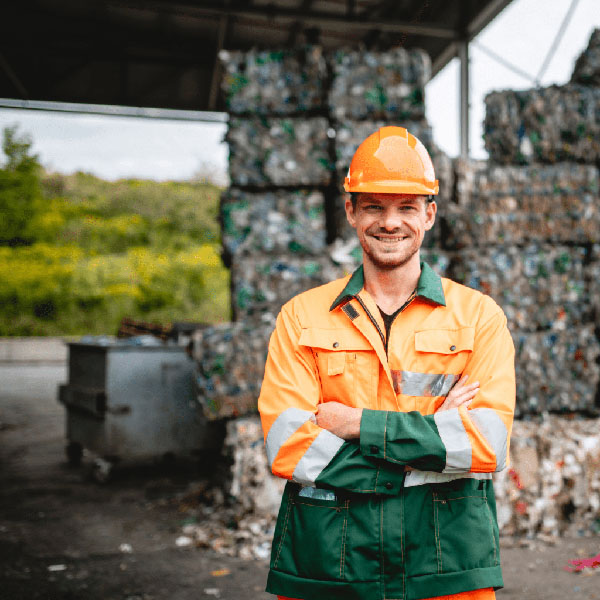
(388, 260)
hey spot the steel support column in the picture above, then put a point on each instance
(463, 55)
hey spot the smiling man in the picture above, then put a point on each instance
(387, 403)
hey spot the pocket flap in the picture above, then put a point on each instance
(335, 340)
(445, 341)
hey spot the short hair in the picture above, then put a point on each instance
(354, 199)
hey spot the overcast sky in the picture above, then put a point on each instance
(114, 147)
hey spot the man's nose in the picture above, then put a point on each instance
(390, 220)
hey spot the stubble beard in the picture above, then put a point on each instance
(388, 264)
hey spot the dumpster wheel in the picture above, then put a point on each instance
(74, 452)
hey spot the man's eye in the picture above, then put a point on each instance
(373, 207)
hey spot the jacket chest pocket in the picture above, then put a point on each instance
(441, 356)
(465, 529)
(347, 365)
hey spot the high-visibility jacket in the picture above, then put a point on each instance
(353, 523)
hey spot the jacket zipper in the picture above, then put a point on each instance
(385, 340)
(408, 301)
(374, 322)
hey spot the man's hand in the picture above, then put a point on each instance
(341, 420)
(460, 394)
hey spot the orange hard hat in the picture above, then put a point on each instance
(391, 161)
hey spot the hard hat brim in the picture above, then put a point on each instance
(393, 187)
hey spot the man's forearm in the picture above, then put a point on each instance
(339, 419)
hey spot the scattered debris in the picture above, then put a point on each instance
(57, 568)
(552, 487)
(579, 564)
(220, 572)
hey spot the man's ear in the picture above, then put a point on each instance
(350, 211)
(430, 212)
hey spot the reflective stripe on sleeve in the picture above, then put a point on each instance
(493, 429)
(317, 457)
(284, 426)
(416, 477)
(455, 439)
(411, 383)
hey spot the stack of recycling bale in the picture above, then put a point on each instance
(296, 118)
(273, 215)
(523, 228)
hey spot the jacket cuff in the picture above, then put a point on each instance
(372, 432)
(389, 479)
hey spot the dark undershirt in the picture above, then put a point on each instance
(389, 319)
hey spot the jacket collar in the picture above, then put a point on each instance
(428, 287)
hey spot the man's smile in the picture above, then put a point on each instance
(386, 239)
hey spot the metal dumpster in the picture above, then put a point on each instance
(127, 401)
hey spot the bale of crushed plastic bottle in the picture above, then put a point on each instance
(543, 125)
(262, 284)
(539, 286)
(274, 82)
(273, 222)
(278, 152)
(385, 85)
(592, 276)
(557, 371)
(587, 66)
(514, 205)
(230, 361)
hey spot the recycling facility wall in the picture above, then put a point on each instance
(523, 227)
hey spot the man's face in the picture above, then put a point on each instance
(390, 227)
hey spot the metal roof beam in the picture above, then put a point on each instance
(278, 14)
(116, 111)
(485, 16)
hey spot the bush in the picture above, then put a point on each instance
(81, 253)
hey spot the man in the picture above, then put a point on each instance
(387, 403)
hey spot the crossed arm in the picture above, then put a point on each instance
(344, 421)
(336, 446)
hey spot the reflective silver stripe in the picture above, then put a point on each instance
(422, 477)
(455, 439)
(411, 383)
(317, 493)
(493, 429)
(317, 457)
(285, 424)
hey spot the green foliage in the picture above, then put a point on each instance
(99, 251)
(20, 194)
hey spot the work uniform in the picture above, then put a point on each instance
(353, 523)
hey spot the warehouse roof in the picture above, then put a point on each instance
(163, 53)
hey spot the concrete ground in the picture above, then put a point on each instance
(61, 533)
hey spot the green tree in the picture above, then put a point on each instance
(20, 192)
